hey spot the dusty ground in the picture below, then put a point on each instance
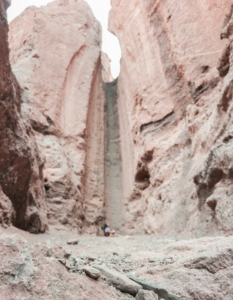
(99, 246)
(191, 268)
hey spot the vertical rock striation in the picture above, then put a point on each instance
(21, 189)
(150, 151)
(113, 161)
(56, 57)
(175, 115)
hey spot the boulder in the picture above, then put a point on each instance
(118, 280)
(161, 291)
(92, 272)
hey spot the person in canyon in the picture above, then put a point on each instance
(108, 232)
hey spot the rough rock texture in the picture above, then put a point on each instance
(161, 291)
(175, 115)
(202, 269)
(106, 68)
(92, 272)
(193, 269)
(118, 280)
(7, 212)
(26, 274)
(145, 295)
(22, 197)
(56, 57)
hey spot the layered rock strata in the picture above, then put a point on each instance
(22, 197)
(175, 115)
(56, 57)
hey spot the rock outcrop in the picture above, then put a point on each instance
(25, 273)
(118, 280)
(168, 269)
(175, 115)
(56, 57)
(22, 196)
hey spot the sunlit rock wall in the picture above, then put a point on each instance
(175, 115)
(56, 57)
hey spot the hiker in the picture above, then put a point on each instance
(108, 232)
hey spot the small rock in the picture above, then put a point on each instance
(151, 260)
(91, 258)
(73, 270)
(70, 263)
(92, 272)
(62, 261)
(146, 295)
(73, 259)
(72, 242)
(67, 254)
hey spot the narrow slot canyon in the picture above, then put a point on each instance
(116, 188)
(113, 161)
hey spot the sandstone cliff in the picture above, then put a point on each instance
(56, 57)
(22, 197)
(154, 153)
(175, 115)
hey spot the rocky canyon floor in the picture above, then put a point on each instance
(46, 267)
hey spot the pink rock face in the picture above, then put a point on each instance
(21, 189)
(106, 69)
(56, 57)
(175, 115)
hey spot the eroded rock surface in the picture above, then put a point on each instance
(175, 115)
(161, 291)
(190, 269)
(56, 57)
(26, 274)
(146, 295)
(118, 280)
(21, 181)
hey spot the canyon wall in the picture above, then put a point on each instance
(22, 196)
(149, 152)
(175, 115)
(56, 57)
